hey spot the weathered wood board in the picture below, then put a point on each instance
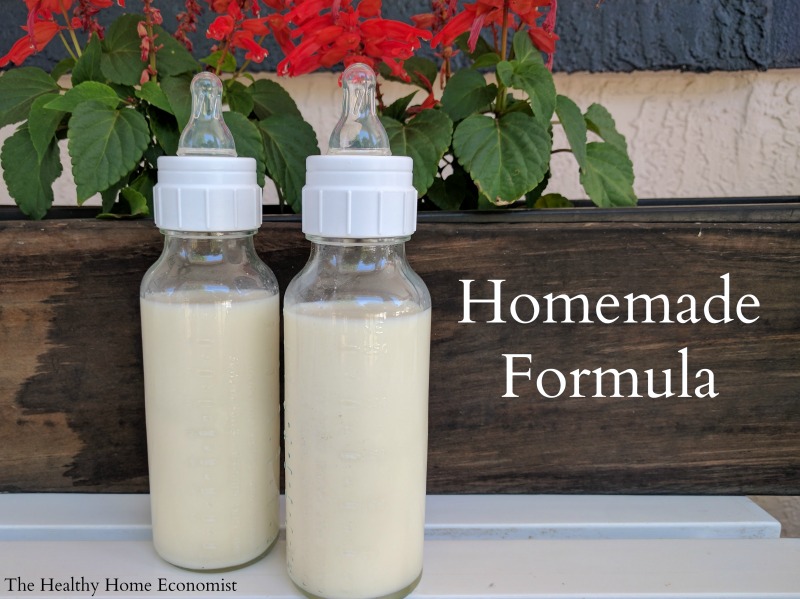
(71, 393)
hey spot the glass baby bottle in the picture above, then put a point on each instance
(210, 339)
(356, 357)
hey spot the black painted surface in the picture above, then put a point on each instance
(619, 35)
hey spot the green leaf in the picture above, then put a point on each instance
(18, 89)
(600, 121)
(481, 46)
(553, 200)
(535, 80)
(534, 194)
(506, 157)
(487, 60)
(288, 141)
(524, 50)
(85, 92)
(269, 98)
(225, 63)
(136, 200)
(152, 93)
(178, 92)
(418, 67)
(172, 58)
(88, 66)
(153, 153)
(467, 93)
(450, 193)
(248, 141)
(239, 97)
(165, 129)
(29, 179)
(124, 92)
(397, 109)
(425, 138)
(43, 123)
(121, 61)
(104, 144)
(571, 119)
(608, 177)
(144, 183)
(110, 194)
(63, 66)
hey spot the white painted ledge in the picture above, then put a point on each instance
(98, 517)
(476, 546)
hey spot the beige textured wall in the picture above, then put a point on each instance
(690, 135)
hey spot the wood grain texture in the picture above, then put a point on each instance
(71, 394)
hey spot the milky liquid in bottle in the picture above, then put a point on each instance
(356, 357)
(210, 337)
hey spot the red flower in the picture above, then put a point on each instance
(48, 5)
(484, 13)
(256, 26)
(221, 28)
(219, 5)
(333, 32)
(281, 33)
(424, 21)
(38, 36)
(245, 40)
(235, 31)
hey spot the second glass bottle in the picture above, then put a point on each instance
(356, 356)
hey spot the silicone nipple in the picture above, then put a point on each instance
(359, 131)
(206, 133)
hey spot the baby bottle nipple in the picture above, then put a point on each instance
(206, 133)
(359, 131)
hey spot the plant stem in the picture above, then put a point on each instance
(501, 88)
(76, 44)
(223, 53)
(67, 46)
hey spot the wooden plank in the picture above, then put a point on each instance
(71, 406)
(126, 517)
(711, 569)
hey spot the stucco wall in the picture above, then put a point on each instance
(721, 134)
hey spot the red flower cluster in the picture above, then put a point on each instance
(335, 31)
(234, 30)
(42, 26)
(313, 34)
(520, 13)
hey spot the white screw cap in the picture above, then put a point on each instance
(207, 194)
(357, 197)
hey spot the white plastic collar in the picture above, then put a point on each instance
(356, 197)
(207, 194)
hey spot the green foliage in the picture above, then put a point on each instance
(467, 93)
(288, 140)
(105, 144)
(505, 156)
(116, 127)
(18, 90)
(498, 151)
(425, 138)
(29, 178)
(485, 143)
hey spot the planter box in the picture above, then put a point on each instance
(71, 393)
